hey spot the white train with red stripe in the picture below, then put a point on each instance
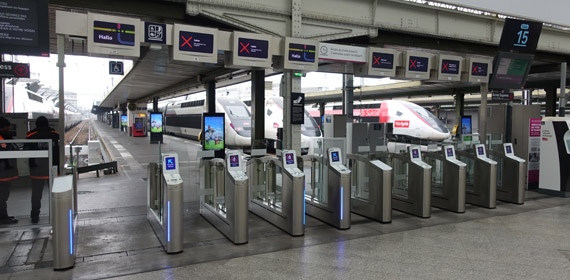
(410, 120)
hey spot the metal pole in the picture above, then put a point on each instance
(562, 102)
(257, 109)
(61, 129)
(348, 96)
(484, 89)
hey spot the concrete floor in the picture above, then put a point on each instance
(115, 238)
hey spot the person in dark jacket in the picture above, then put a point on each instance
(8, 172)
(40, 167)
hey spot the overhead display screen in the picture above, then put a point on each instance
(520, 35)
(418, 64)
(449, 66)
(196, 42)
(113, 33)
(253, 48)
(24, 27)
(302, 52)
(510, 70)
(479, 69)
(213, 135)
(382, 60)
(156, 123)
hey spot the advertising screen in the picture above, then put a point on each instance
(302, 52)
(418, 63)
(234, 161)
(124, 120)
(449, 152)
(449, 66)
(382, 60)
(196, 42)
(213, 135)
(415, 153)
(24, 26)
(170, 163)
(156, 123)
(113, 33)
(289, 159)
(466, 125)
(479, 69)
(253, 48)
(480, 151)
(334, 156)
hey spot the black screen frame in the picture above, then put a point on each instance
(494, 84)
(217, 153)
(43, 46)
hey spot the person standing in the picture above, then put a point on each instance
(40, 167)
(8, 172)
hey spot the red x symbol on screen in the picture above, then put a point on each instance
(413, 63)
(186, 41)
(376, 60)
(445, 66)
(475, 68)
(244, 47)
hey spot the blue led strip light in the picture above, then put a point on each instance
(70, 232)
(341, 199)
(303, 203)
(168, 223)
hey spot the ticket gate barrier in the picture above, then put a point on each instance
(329, 197)
(64, 223)
(165, 204)
(481, 180)
(411, 181)
(511, 173)
(224, 195)
(371, 194)
(448, 180)
(277, 189)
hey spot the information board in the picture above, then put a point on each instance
(24, 27)
(449, 68)
(297, 108)
(213, 136)
(156, 122)
(196, 44)
(112, 35)
(520, 35)
(417, 65)
(18, 70)
(249, 50)
(510, 70)
(380, 63)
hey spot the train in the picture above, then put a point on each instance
(411, 122)
(183, 118)
(20, 99)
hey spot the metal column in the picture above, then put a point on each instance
(550, 106)
(484, 89)
(459, 105)
(211, 96)
(562, 103)
(348, 96)
(61, 128)
(257, 109)
(154, 105)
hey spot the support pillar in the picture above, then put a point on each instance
(211, 96)
(258, 109)
(291, 132)
(459, 105)
(154, 105)
(348, 96)
(550, 106)
(61, 128)
(484, 90)
(562, 102)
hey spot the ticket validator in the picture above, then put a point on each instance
(483, 189)
(554, 176)
(448, 180)
(513, 175)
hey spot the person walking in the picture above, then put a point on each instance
(8, 172)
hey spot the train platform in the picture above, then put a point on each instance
(115, 239)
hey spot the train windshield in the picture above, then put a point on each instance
(239, 115)
(434, 122)
(310, 127)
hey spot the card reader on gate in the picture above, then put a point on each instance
(416, 156)
(234, 165)
(449, 154)
(170, 169)
(290, 162)
(509, 152)
(335, 161)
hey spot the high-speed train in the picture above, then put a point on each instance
(410, 120)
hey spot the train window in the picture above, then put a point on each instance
(237, 111)
(269, 112)
(34, 97)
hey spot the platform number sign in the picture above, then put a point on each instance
(520, 35)
(116, 68)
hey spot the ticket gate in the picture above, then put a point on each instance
(329, 197)
(481, 181)
(371, 194)
(165, 204)
(64, 223)
(511, 174)
(448, 180)
(411, 182)
(224, 197)
(277, 189)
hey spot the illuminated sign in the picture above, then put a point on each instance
(234, 161)
(510, 70)
(418, 63)
(335, 157)
(520, 35)
(450, 152)
(253, 48)
(18, 70)
(156, 123)
(213, 134)
(124, 121)
(480, 151)
(301, 52)
(24, 27)
(289, 158)
(170, 163)
(195, 42)
(113, 33)
(415, 153)
(479, 69)
(449, 66)
(382, 60)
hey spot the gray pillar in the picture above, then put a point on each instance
(348, 96)
(211, 96)
(257, 109)
(550, 106)
(154, 105)
(484, 89)
(459, 105)
(291, 133)
(562, 103)
(322, 109)
(61, 129)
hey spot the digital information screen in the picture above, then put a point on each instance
(511, 70)
(302, 52)
(24, 27)
(418, 64)
(520, 35)
(113, 33)
(289, 158)
(450, 152)
(509, 149)
(253, 48)
(170, 163)
(415, 153)
(382, 60)
(449, 66)
(479, 69)
(466, 125)
(124, 120)
(196, 42)
(213, 132)
(335, 156)
(156, 123)
(480, 151)
(234, 161)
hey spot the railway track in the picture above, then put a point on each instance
(80, 134)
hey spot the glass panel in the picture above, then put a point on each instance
(360, 176)
(400, 171)
(499, 161)
(470, 171)
(155, 198)
(436, 175)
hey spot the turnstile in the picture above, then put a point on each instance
(64, 223)
(481, 181)
(277, 191)
(411, 182)
(165, 204)
(448, 180)
(371, 194)
(329, 197)
(224, 197)
(511, 174)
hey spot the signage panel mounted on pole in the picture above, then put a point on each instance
(379, 62)
(18, 70)
(111, 35)
(336, 52)
(195, 44)
(299, 55)
(297, 108)
(479, 69)
(417, 65)
(520, 35)
(116, 68)
(250, 50)
(449, 68)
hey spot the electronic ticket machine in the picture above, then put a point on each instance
(165, 212)
(329, 200)
(139, 125)
(411, 192)
(224, 196)
(554, 176)
(512, 175)
(448, 180)
(481, 186)
(277, 188)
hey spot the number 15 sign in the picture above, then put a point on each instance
(520, 35)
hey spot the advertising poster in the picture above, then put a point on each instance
(533, 152)
(213, 132)
(156, 123)
(124, 121)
